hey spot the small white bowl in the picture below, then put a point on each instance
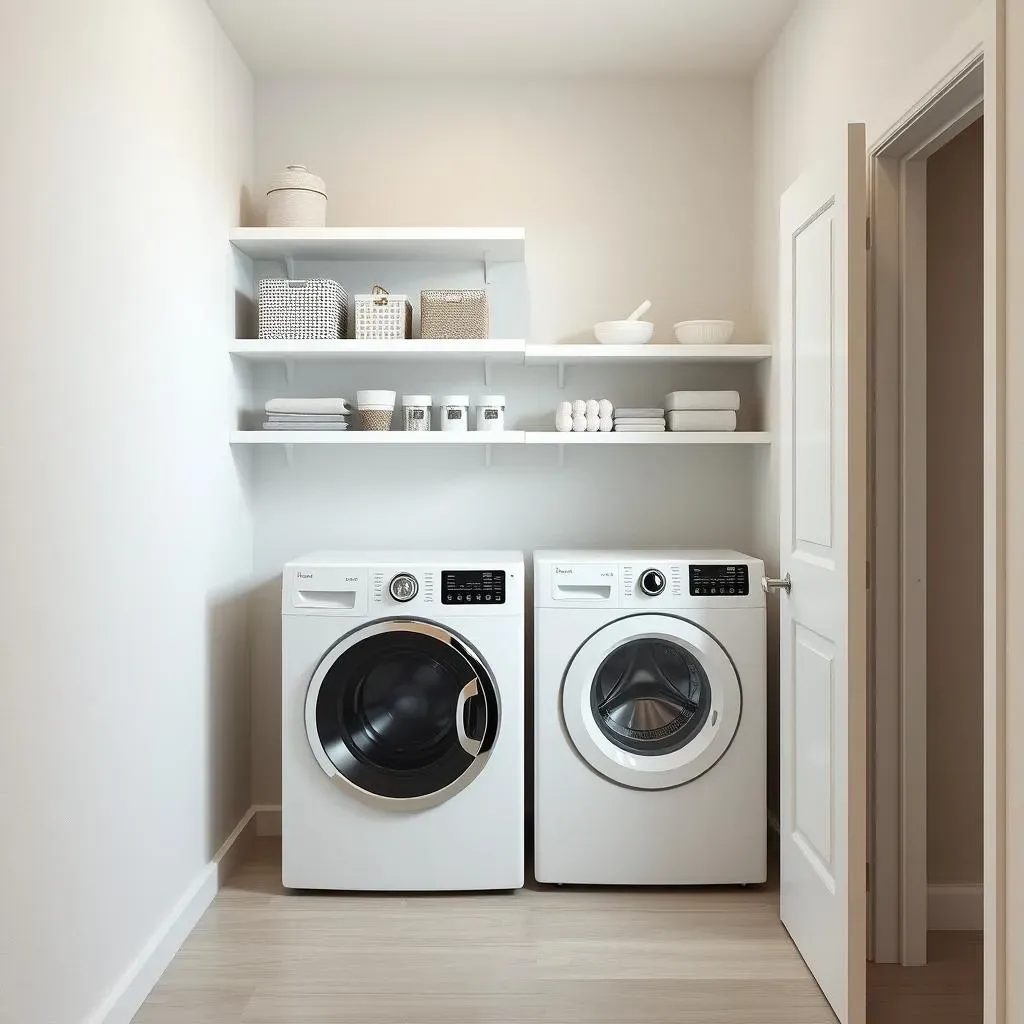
(375, 399)
(624, 332)
(705, 332)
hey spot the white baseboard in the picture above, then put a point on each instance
(138, 980)
(268, 819)
(956, 907)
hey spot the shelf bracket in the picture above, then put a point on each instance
(289, 370)
(561, 374)
(487, 455)
(487, 372)
(289, 453)
(487, 267)
(289, 267)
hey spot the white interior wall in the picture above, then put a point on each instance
(844, 61)
(955, 253)
(666, 215)
(124, 733)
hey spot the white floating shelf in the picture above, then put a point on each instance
(563, 355)
(510, 351)
(439, 438)
(366, 245)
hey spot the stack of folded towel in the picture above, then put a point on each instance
(307, 414)
(584, 415)
(702, 410)
(637, 421)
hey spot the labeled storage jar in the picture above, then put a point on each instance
(490, 412)
(416, 412)
(455, 412)
(296, 199)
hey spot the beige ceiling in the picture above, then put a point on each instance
(503, 37)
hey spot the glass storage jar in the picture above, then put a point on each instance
(416, 412)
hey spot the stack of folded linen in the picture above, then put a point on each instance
(702, 410)
(637, 421)
(307, 414)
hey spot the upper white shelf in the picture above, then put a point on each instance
(369, 245)
(503, 351)
(561, 355)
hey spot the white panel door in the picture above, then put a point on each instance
(823, 506)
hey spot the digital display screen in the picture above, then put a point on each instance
(485, 586)
(719, 581)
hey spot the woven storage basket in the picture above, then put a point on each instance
(383, 317)
(454, 313)
(302, 310)
(296, 199)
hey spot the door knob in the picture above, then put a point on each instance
(768, 584)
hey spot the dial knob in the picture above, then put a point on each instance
(652, 582)
(404, 587)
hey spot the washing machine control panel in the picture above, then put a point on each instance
(477, 587)
(719, 581)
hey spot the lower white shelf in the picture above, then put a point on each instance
(440, 438)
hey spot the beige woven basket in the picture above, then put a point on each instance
(454, 313)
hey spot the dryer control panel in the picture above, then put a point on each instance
(719, 580)
(473, 586)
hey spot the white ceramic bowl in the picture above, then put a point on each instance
(375, 399)
(705, 332)
(624, 332)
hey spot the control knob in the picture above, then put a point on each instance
(404, 587)
(652, 582)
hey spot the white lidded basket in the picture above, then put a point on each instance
(454, 313)
(314, 310)
(704, 332)
(383, 317)
(296, 198)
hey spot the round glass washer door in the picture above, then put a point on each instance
(651, 701)
(403, 712)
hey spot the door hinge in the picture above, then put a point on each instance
(867, 234)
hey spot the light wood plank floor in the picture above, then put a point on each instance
(262, 955)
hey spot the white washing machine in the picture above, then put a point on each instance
(402, 721)
(650, 708)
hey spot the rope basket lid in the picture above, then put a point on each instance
(297, 176)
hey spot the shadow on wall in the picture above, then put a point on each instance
(229, 717)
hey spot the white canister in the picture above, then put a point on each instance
(455, 412)
(416, 412)
(296, 199)
(490, 412)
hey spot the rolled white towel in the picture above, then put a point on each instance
(685, 401)
(563, 409)
(579, 423)
(606, 424)
(338, 406)
(605, 409)
(563, 421)
(593, 407)
(593, 424)
(579, 407)
(702, 419)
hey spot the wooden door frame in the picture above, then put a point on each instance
(963, 81)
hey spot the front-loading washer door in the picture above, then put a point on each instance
(651, 701)
(403, 711)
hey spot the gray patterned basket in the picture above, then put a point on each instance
(383, 317)
(454, 313)
(314, 310)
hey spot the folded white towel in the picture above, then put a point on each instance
(579, 423)
(593, 424)
(702, 419)
(579, 407)
(305, 426)
(593, 407)
(684, 401)
(636, 421)
(605, 408)
(563, 421)
(304, 417)
(606, 423)
(309, 405)
(639, 414)
(637, 428)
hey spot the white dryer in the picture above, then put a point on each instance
(650, 718)
(402, 721)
